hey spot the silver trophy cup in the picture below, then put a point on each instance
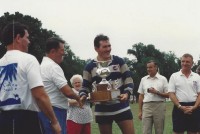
(105, 90)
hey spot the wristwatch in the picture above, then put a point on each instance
(157, 92)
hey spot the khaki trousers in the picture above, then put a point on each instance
(153, 113)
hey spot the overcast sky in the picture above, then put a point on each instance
(170, 25)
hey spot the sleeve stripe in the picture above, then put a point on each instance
(124, 68)
(86, 75)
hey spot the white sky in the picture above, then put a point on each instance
(170, 25)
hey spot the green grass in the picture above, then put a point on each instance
(137, 122)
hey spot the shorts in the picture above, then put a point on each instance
(185, 122)
(108, 119)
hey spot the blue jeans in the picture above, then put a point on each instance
(61, 115)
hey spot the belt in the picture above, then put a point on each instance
(153, 101)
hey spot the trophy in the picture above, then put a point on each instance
(105, 90)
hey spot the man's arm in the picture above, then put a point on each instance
(196, 105)
(68, 92)
(176, 103)
(140, 102)
(86, 86)
(127, 88)
(128, 82)
(154, 91)
(165, 95)
(174, 99)
(124, 97)
(44, 104)
(73, 102)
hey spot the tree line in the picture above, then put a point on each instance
(168, 63)
(38, 36)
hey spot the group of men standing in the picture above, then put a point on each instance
(27, 88)
(183, 89)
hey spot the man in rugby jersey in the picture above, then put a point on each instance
(119, 110)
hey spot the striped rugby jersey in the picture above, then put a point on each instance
(119, 70)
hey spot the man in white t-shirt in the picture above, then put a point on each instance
(55, 83)
(153, 90)
(21, 87)
(184, 90)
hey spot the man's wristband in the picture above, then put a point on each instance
(157, 92)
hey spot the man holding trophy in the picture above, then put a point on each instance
(108, 81)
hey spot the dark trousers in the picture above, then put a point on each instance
(20, 122)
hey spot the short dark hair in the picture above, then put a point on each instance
(11, 30)
(155, 64)
(99, 38)
(153, 61)
(187, 55)
(53, 43)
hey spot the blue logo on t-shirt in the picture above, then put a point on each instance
(8, 95)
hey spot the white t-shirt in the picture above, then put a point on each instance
(80, 115)
(19, 73)
(54, 79)
(158, 82)
(186, 89)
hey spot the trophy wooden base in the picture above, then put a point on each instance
(100, 96)
(104, 96)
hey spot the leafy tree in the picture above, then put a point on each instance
(170, 64)
(2, 50)
(38, 36)
(72, 64)
(167, 62)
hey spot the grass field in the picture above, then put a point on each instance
(137, 122)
